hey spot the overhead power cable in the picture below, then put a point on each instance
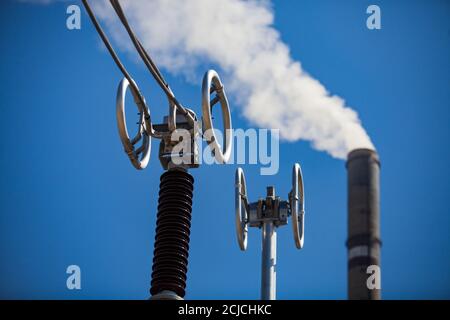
(142, 53)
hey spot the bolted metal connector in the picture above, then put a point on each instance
(179, 148)
(271, 209)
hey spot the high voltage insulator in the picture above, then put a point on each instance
(268, 214)
(173, 224)
(171, 248)
(181, 125)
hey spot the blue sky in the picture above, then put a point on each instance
(70, 196)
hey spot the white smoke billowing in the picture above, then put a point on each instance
(272, 89)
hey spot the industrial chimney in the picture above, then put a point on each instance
(363, 243)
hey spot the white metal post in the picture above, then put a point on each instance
(269, 261)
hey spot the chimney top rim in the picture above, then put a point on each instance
(363, 153)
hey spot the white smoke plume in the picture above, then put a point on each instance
(272, 89)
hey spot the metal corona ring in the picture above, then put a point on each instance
(129, 144)
(140, 156)
(211, 83)
(297, 204)
(241, 206)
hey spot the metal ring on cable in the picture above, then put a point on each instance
(212, 83)
(241, 212)
(139, 157)
(297, 204)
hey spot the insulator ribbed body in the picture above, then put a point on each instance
(173, 224)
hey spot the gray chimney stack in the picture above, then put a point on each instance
(363, 243)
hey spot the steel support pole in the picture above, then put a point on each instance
(269, 261)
